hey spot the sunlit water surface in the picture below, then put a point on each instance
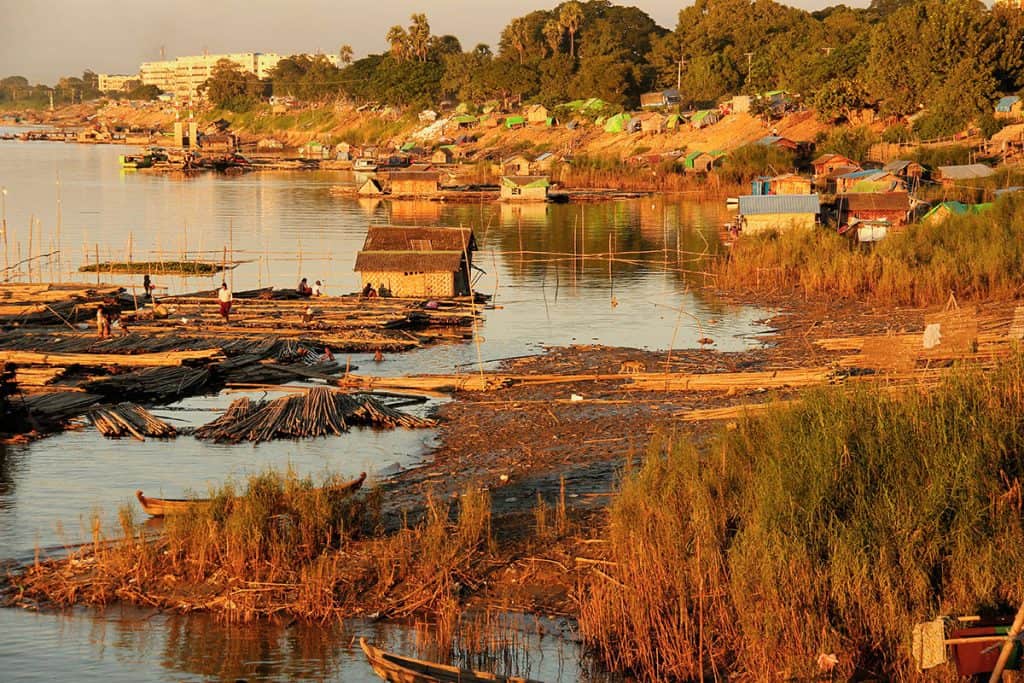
(622, 273)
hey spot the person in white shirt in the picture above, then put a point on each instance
(224, 294)
(318, 289)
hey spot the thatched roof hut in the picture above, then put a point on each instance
(417, 261)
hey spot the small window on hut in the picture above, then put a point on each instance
(421, 245)
(517, 190)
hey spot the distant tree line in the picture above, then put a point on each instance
(951, 58)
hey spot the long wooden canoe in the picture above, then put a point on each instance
(399, 669)
(158, 507)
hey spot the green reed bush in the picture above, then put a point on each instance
(830, 526)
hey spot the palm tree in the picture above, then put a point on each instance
(553, 35)
(399, 41)
(419, 36)
(345, 54)
(518, 34)
(571, 17)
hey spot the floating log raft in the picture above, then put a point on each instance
(51, 410)
(318, 412)
(162, 267)
(159, 385)
(128, 419)
(142, 360)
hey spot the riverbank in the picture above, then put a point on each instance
(591, 157)
(526, 523)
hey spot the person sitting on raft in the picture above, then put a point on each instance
(368, 291)
(304, 289)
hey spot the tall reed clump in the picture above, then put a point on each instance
(972, 256)
(426, 568)
(273, 548)
(830, 526)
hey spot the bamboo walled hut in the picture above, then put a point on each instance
(417, 261)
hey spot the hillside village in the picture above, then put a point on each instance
(792, 172)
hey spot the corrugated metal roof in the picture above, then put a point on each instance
(755, 205)
(965, 172)
(866, 173)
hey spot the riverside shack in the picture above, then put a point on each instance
(417, 261)
(525, 188)
(414, 183)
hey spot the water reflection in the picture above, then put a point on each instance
(127, 643)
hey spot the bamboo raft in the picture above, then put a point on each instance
(159, 507)
(398, 669)
(128, 419)
(318, 412)
(162, 267)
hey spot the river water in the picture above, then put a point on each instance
(546, 267)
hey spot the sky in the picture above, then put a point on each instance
(45, 40)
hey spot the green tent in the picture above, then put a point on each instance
(617, 123)
(464, 118)
(513, 121)
(691, 157)
(672, 122)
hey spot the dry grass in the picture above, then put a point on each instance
(829, 526)
(285, 545)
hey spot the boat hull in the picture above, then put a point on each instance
(160, 507)
(398, 669)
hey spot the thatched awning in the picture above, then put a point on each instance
(425, 239)
(409, 261)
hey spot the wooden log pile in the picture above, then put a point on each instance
(129, 419)
(141, 360)
(159, 385)
(318, 412)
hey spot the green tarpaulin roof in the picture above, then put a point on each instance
(514, 121)
(408, 146)
(617, 123)
(464, 118)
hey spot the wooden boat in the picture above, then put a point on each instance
(364, 164)
(158, 507)
(399, 669)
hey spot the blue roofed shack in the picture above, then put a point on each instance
(759, 213)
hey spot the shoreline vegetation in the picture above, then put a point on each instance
(971, 257)
(829, 523)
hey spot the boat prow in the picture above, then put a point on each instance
(398, 669)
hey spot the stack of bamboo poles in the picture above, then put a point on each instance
(153, 384)
(129, 419)
(52, 409)
(318, 412)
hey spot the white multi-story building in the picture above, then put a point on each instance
(109, 82)
(183, 76)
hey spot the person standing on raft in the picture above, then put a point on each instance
(224, 295)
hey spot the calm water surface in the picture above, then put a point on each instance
(546, 266)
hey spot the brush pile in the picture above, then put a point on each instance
(126, 419)
(319, 412)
